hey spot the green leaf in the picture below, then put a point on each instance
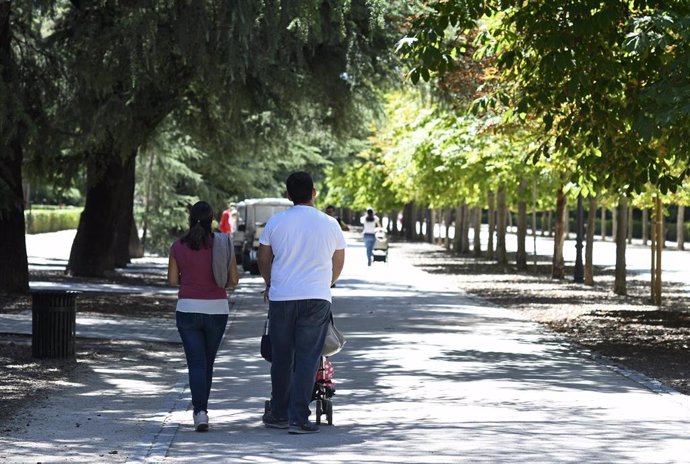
(414, 75)
(425, 74)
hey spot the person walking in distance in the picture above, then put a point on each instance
(202, 306)
(228, 220)
(370, 222)
(330, 210)
(301, 254)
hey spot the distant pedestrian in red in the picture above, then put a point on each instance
(228, 220)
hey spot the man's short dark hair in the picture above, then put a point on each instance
(300, 186)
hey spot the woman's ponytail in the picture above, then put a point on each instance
(200, 220)
(370, 215)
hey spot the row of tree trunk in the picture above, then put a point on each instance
(419, 223)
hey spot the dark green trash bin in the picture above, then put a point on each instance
(53, 323)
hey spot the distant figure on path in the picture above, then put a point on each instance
(202, 306)
(330, 210)
(228, 220)
(301, 254)
(370, 222)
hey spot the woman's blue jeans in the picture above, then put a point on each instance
(201, 336)
(297, 329)
(369, 240)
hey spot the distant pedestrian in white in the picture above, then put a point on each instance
(370, 222)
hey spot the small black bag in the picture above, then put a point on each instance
(266, 347)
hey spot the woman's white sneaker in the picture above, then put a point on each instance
(201, 421)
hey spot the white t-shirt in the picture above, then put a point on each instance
(303, 240)
(369, 226)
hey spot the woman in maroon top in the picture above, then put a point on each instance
(202, 306)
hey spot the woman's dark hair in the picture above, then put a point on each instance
(299, 186)
(370, 215)
(200, 219)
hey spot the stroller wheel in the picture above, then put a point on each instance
(319, 411)
(329, 412)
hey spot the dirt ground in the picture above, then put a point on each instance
(652, 340)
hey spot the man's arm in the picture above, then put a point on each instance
(338, 261)
(264, 259)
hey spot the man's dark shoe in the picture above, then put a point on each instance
(273, 423)
(307, 427)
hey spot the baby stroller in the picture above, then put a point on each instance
(324, 390)
(380, 251)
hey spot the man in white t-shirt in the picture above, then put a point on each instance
(301, 255)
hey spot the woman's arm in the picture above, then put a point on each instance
(173, 272)
(233, 274)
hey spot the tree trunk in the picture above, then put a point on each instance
(14, 270)
(534, 221)
(393, 225)
(657, 246)
(408, 221)
(446, 228)
(466, 219)
(645, 226)
(477, 247)
(558, 263)
(619, 286)
(125, 217)
(492, 225)
(521, 257)
(459, 217)
(589, 241)
(429, 220)
(614, 223)
(629, 226)
(501, 213)
(93, 249)
(136, 249)
(566, 222)
(549, 219)
(435, 233)
(603, 224)
(418, 222)
(346, 215)
(680, 229)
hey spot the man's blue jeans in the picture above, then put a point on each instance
(369, 240)
(297, 329)
(201, 336)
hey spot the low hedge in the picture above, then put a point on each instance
(42, 220)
